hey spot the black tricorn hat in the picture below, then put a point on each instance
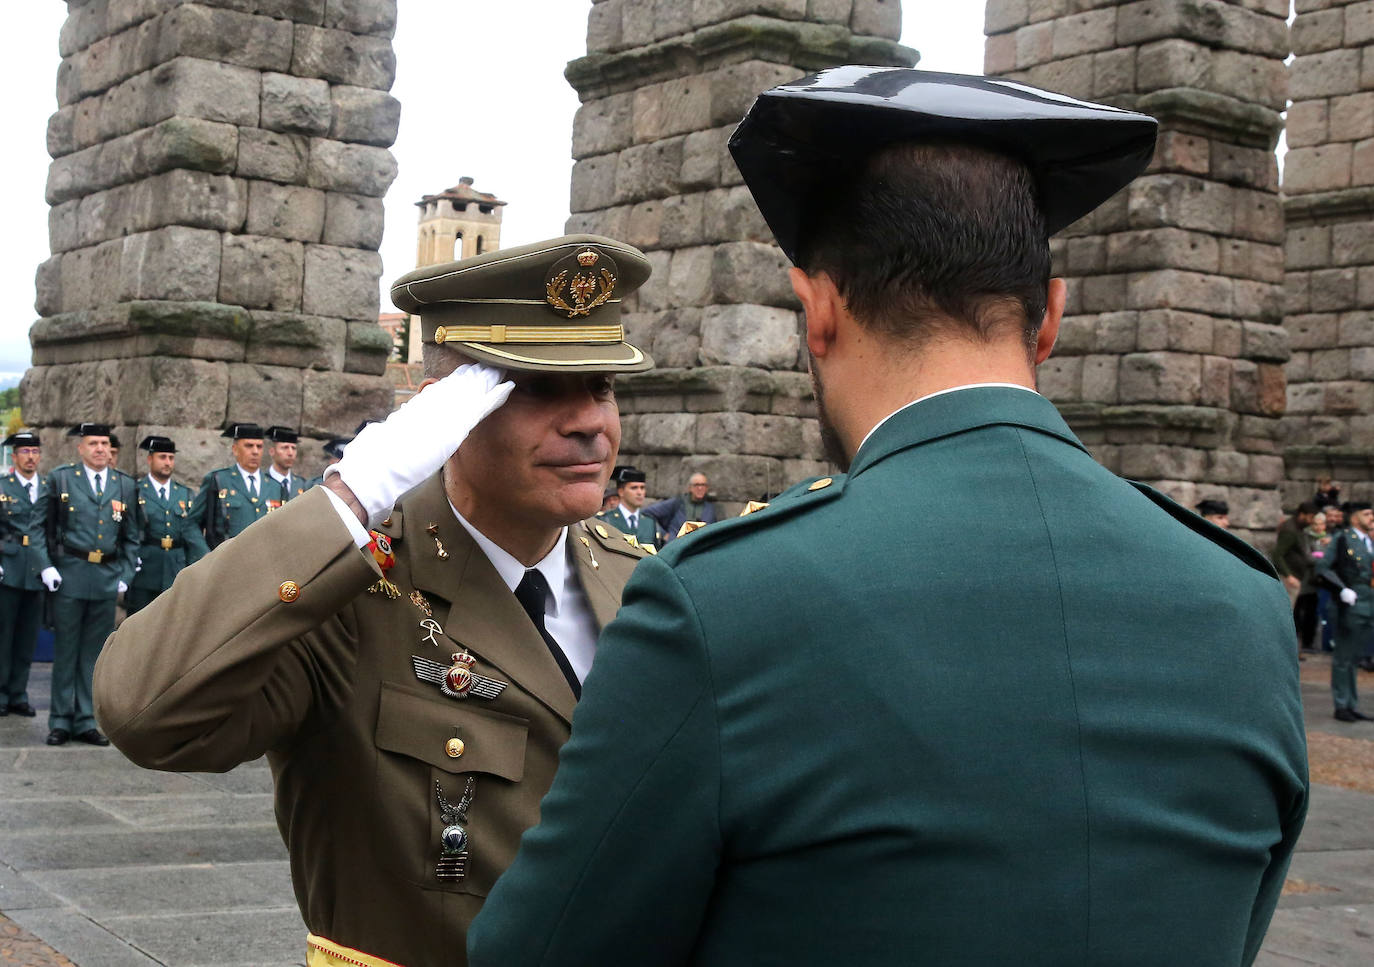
(90, 429)
(158, 444)
(799, 138)
(335, 447)
(1208, 508)
(114, 442)
(243, 431)
(1354, 506)
(282, 434)
(21, 438)
(630, 475)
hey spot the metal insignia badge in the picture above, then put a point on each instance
(117, 511)
(419, 600)
(434, 629)
(588, 278)
(453, 840)
(457, 679)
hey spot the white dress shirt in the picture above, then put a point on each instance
(30, 484)
(104, 478)
(283, 479)
(254, 475)
(162, 490)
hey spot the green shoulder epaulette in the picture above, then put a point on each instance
(809, 493)
(1217, 535)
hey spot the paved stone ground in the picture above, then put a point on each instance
(118, 867)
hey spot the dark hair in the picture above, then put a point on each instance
(930, 231)
(1307, 507)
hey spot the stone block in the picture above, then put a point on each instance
(1155, 462)
(1349, 397)
(342, 282)
(48, 286)
(1176, 289)
(1061, 379)
(1181, 201)
(671, 18)
(334, 403)
(362, 16)
(1265, 342)
(676, 337)
(1334, 290)
(369, 348)
(175, 262)
(603, 27)
(749, 335)
(683, 221)
(605, 124)
(730, 215)
(1210, 22)
(734, 88)
(341, 57)
(293, 339)
(300, 105)
(829, 11)
(1318, 31)
(364, 116)
(269, 394)
(1327, 74)
(1100, 378)
(1190, 332)
(671, 107)
(1034, 45)
(653, 294)
(1307, 123)
(89, 275)
(353, 168)
(999, 54)
(285, 211)
(1252, 78)
(745, 272)
(877, 18)
(1365, 292)
(191, 87)
(1162, 248)
(1160, 377)
(1352, 243)
(1251, 260)
(1001, 16)
(1297, 293)
(1308, 247)
(353, 221)
(748, 433)
(262, 273)
(1362, 163)
(1359, 24)
(228, 36)
(645, 171)
(593, 183)
(706, 12)
(1114, 73)
(1324, 167)
(273, 155)
(1081, 33)
(1329, 364)
(1216, 382)
(643, 224)
(1312, 331)
(664, 432)
(689, 276)
(1362, 362)
(1353, 328)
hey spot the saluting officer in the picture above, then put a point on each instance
(169, 538)
(412, 697)
(89, 555)
(21, 563)
(233, 497)
(282, 457)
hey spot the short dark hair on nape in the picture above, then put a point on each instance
(928, 232)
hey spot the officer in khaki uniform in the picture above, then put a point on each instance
(825, 733)
(168, 538)
(240, 494)
(21, 591)
(411, 684)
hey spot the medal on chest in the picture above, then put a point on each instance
(380, 548)
(116, 511)
(453, 841)
(457, 680)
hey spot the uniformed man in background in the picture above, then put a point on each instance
(169, 538)
(282, 457)
(90, 551)
(1347, 569)
(628, 515)
(827, 734)
(411, 686)
(21, 564)
(333, 451)
(235, 496)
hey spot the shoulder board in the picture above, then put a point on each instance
(1217, 535)
(809, 493)
(603, 536)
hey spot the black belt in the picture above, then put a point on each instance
(92, 557)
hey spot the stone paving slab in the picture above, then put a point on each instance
(164, 890)
(224, 939)
(66, 848)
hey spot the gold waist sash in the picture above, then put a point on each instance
(327, 953)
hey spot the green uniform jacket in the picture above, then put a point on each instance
(169, 521)
(201, 680)
(829, 733)
(222, 507)
(21, 534)
(646, 532)
(76, 523)
(1348, 564)
(299, 484)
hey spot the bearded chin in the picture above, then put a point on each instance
(830, 439)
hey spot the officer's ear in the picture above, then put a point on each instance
(822, 303)
(425, 382)
(1054, 314)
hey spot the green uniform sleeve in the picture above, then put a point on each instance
(45, 514)
(640, 777)
(130, 530)
(196, 548)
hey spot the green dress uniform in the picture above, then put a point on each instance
(312, 660)
(169, 540)
(21, 591)
(645, 530)
(92, 540)
(1348, 563)
(223, 506)
(1083, 745)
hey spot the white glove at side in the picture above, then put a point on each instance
(1347, 596)
(389, 458)
(123, 587)
(50, 578)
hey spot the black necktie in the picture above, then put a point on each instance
(633, 518)
(99, 487)
(532, 592)
(32, 498)
(252, 486)
(162, 495)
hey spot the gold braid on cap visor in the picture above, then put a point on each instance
(529, 334)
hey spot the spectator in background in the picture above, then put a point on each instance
(1318, 541)
(1293, 560)
(672, 513)
(1217, 511)
(1335, 518)
(610, 500)
(1328, 493)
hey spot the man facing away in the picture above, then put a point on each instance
(411, 686)
(813, 736)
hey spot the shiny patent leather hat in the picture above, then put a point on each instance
(801, 138)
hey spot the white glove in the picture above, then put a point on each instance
(138, 565)
(2, 572)
(389, 458)
(123, 587)
(50, 578)
(1347, 596)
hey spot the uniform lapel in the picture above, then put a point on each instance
(604, 599)
(484, 616)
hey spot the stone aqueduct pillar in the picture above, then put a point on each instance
(1329, 189)
(216, 196)
(662, 86)
(1170, 362)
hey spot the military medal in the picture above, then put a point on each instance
(432, 626)
(453, 841)
(116, 511)
(457, 680)
(418, 599)
(380, 546)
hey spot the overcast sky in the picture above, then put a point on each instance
(482, 93)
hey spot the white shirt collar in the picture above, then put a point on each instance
(931, 396)
(152, 482)
(23, 480)
(554, 566)
(279, 478)
(254, 475)
(90, 474)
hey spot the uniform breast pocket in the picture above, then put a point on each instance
(432, 747)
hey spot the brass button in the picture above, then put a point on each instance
(821, 484)
(453, 748)
(289, 591)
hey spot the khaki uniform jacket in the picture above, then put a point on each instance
(202, 680)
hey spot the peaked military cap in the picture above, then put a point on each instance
(798, 138)
(1209, 508)
(22, 438)
(90, 429)
(550, 307)
(630, 475)
(243, 431)
(281, 434)
(158, 444)
(335, 447)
